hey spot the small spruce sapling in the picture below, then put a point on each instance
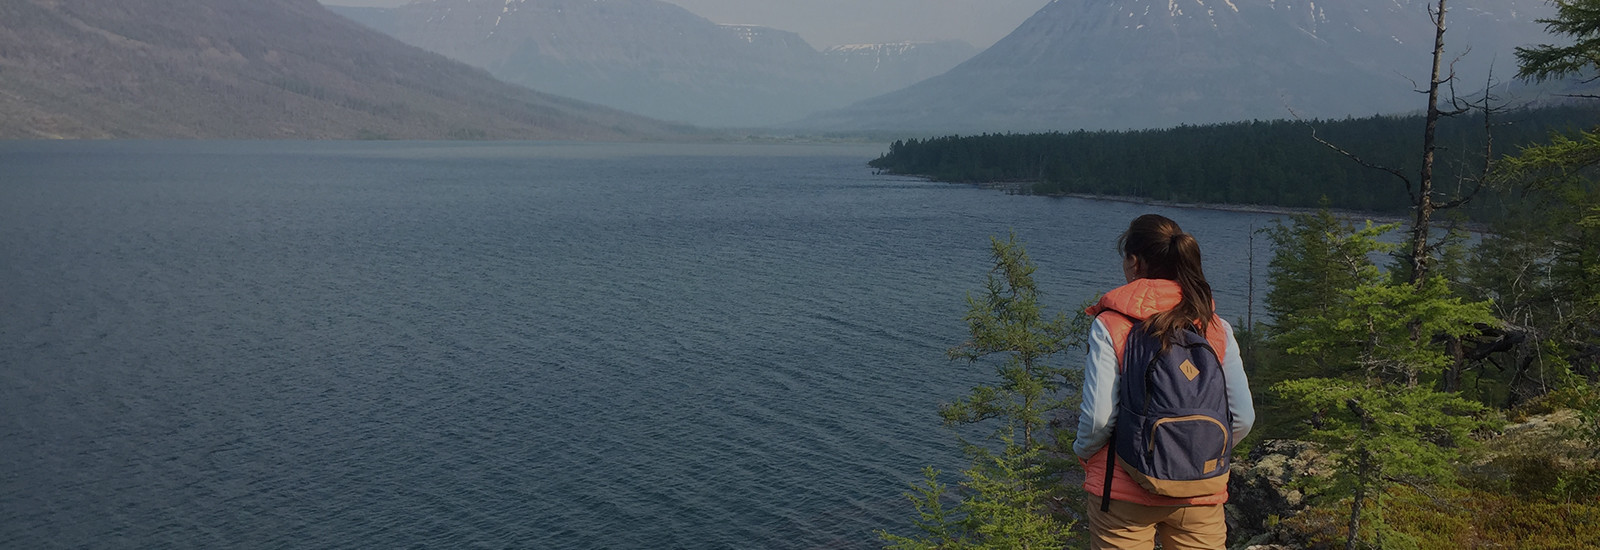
(1005, 499)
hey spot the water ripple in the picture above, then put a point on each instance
(362, 345)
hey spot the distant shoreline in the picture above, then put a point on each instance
(1015, 187)
(1243, 208)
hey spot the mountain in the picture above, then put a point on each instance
(881, 68)
(257, 69)
(1118, 64)
(655, 58)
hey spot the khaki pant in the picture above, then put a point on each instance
(1136, 526)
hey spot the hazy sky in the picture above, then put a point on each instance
(825, 23)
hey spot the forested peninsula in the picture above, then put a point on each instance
(1270, 163)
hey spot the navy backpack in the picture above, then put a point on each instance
(1173, 430)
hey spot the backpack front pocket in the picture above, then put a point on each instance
(1187, 447)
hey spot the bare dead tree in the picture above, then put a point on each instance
(1421, 191)
(1423, 200)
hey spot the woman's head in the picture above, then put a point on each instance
(1154, 247)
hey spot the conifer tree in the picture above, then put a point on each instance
(1004, 500)
(1541, 263)
(1375, 402)
(1541, 266)
(1009, 325)
(1317, 257)
(1000, 510)
(1576, 19)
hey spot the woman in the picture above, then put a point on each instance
(1167, 292)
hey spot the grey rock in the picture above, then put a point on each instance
(1262, 489)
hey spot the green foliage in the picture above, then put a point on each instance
(1256, 162)
(1564, 161)
(1578, 19)
(1405, 432)
(1578, 397)
(1453, 519)
(1583, 401)
(1001, 510)
(1003, 502)
(1318, 527)
(1317, 260)
(1588, 429)
(1451, 263)
(1506, 522)
(938, 525)
(1376, 346)
(1008, 510)
(1540, 474)
(1377, 328)
(1008, 322)
(1542, 264)
(1541, 267)
(1336, 309)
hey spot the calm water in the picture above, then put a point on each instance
(381, 345)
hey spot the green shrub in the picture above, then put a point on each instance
(1578, 397)
(1435, 518)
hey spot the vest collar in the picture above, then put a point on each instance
(1140, 299)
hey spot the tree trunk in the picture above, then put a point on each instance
(1366, 478)
(1424, 207)
(1458, 364)
(1364, 465)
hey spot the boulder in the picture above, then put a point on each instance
(1264, 488)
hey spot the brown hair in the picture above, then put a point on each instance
(1166, 252)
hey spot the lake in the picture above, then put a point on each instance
(500, 345)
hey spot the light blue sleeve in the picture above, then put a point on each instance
(1098, 412)
(1239, 401)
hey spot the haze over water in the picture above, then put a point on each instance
(534, 345)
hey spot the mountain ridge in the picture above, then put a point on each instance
(1128, 64)
(655, 58)
(245, 69)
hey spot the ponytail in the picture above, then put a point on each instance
(1166, 252)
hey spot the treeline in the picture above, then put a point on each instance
(1259, 162)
